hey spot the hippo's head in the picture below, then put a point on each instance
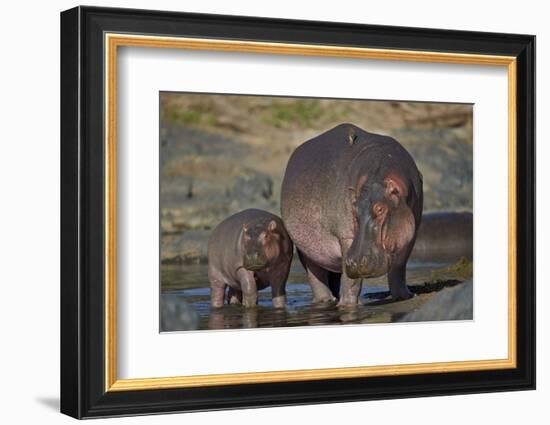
(384, 226)
(260, 244)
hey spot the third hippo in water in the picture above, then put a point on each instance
(247, 252)
(352, 203)
(444, 236)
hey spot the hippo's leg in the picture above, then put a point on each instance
(278, 293)
(318, 280)
(248, 287)
(398, 283)
(234, 296)
(217, 286)
(334, 280)
(249, 318)
(278, 280)
(350, 289)
(278, 300)
(217, 294)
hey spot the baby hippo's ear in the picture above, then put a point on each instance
(272, 225)
(245, 228)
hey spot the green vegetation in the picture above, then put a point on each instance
(199, 115)
(304, 112)
(280, 113)
(461, 270)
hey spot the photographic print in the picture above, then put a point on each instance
(288, 211)
(319, 197)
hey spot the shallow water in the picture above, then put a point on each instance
(190, 282)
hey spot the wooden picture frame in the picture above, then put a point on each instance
(90, 38)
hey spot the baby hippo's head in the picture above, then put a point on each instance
(261, 244)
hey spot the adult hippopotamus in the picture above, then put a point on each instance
(247, 252)
(352, 203)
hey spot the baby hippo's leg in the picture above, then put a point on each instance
(217, 286)
(278, 297)
(217, 294)
(248, 287)
(278, 293)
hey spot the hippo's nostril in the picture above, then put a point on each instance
(351, 263)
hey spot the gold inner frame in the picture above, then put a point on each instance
(113, 41)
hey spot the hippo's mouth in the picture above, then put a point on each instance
(367, 266)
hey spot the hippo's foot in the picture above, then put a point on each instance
(322, 294)
(350, 289)
(403, 293)
(397, 282)
(324, 299)
(353, 302)
(216, 304)
(250, 301)
(279, 301)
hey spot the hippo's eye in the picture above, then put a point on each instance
(378, 209)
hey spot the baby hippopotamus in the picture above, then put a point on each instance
(247, 252)
(352, 202)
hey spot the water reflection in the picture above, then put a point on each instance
(238, 317)
(190, 283)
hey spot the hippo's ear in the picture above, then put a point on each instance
(272, 225)
(353, 195)
(245, 227)
(361, 182)
(352, 137)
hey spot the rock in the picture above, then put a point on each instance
(455, 303)
(188, 247)
(446, 162)
(252, 187)
(179, 141)
(204, 179)
(176, 314)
